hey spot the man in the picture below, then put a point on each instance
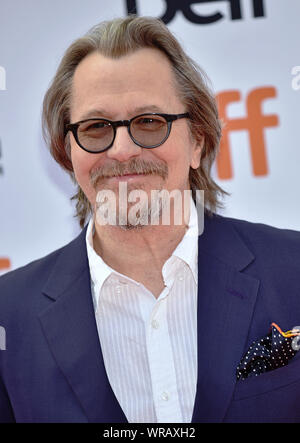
(140, 321)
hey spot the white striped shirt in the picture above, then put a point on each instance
(149, 345)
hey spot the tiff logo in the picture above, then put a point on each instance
(5, 264)
(2, 79)
(255, 123)
(2, 339)
(185, 6)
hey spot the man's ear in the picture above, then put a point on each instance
(196, 153)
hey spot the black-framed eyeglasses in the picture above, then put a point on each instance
(146, 130)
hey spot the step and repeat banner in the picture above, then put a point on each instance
(250, 51)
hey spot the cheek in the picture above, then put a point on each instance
(79, 162)
(82, 164)
(181, 153)
(178, 160)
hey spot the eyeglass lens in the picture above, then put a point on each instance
(147, 130)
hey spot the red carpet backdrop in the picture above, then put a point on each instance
(250, 51)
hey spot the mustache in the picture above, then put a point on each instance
(134, 166)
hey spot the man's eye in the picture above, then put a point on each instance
(149, 122)
(96, 125)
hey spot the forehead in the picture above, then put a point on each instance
(117, 86)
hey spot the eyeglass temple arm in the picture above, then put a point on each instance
(172, 117)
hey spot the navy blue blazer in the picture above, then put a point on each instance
(53, 371)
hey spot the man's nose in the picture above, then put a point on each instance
(123, 147)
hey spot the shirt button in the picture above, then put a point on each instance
(180, 278)
(155, 324)
(118, 289)
(165, 396)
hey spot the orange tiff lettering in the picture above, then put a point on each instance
(4, 263)
(254, 123)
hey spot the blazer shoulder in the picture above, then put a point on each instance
(30, 279)
(265, 240)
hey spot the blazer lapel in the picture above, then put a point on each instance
(70, 328)
(226, 299)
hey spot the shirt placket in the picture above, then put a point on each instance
(161, 363)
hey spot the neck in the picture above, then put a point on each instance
(115, 244)
(138, 253)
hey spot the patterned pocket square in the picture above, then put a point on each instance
(271, 352)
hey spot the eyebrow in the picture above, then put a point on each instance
(100, 113)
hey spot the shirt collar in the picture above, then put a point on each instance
(99, 270)
(187, 249)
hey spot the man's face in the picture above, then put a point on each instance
(119, 89)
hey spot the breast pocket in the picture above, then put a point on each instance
(270, 397)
